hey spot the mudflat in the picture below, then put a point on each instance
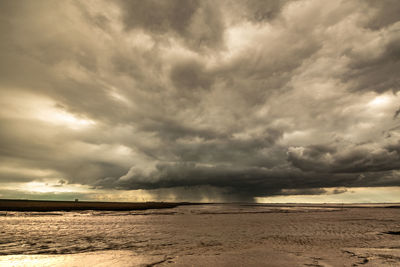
(209, 235)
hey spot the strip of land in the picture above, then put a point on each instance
(53, 205)
(41, 205)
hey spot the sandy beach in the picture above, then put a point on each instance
(210, 235)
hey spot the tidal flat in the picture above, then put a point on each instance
(205, 235)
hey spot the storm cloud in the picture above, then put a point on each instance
(223, 100)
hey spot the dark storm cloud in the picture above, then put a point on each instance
(219, 100)
(376, 70)
(308, 191)
(384, 13)
(190, 75)
(354, 159)
(311, 191)
(198, 23)
(396, 114)
(257, 10)
(159, 16)
(254, 151)
(245, 182)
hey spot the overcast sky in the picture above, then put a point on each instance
(200, 100)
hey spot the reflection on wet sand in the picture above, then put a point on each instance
(115, 258)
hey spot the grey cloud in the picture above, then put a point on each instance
(60, 183)
(307, 191)
(32, 145)
(159, 16)
(12, 177)
(384, 13)
(255, 10)
(96, 19)
(377, 72)
(198, 23)
(255, 151)
(264, 10)
(354, 159)
(396, 114)
(190, 75)
(240, 181)
(339, 191)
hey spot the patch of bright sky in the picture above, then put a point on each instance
(47, 186)
(60, 117)
(352, 195)
(243, 36)
(53, 189)
(114, 93)
(30, 106)
(379, 101)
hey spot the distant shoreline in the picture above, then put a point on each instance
(57, 205)
(54, 205)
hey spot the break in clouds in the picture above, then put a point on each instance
(235, 99)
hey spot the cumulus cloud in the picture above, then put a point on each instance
(227, 100)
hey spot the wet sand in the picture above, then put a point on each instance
(121, 258)
(219, 235)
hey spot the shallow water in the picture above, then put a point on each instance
(206, 231)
